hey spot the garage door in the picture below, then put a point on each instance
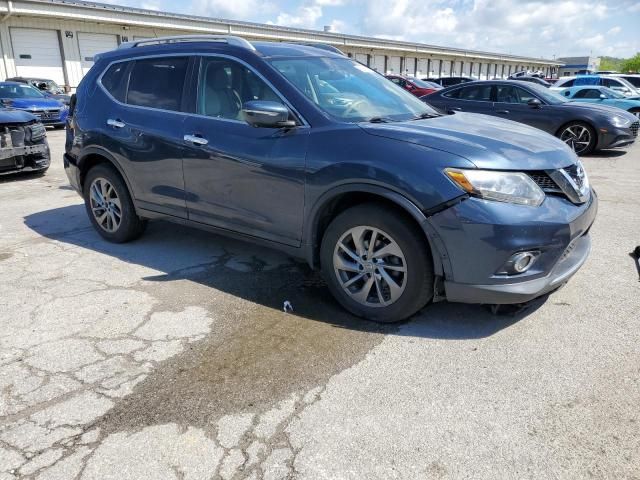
(446, 68)
(378, 63)
(92, 44)
(37, 54)
(361, 57)
(393, 65)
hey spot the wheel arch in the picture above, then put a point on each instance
(340, 198)
(95, 156)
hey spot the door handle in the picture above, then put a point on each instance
(115, 123)
(505, 112)
(195, 139)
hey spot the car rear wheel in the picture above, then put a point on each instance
(377, 263)
(109, 205)
(636, 112)
(579, 136)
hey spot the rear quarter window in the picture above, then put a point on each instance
(114, 80)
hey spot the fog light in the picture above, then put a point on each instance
(522, 261)
(519, 263)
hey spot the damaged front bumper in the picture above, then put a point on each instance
(19, 152)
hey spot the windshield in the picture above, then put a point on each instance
(611, 93)
(19, 91)
(549, 97)
(350, 91)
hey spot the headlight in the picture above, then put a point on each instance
(619, 121)
(511, 187)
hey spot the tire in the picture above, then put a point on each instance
(118, 223)
(580, 136)
(348, 280)
(636, 112)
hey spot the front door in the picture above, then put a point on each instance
(237, 177)
(512, 104)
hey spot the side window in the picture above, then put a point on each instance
(611, 83)
(568, 83)
(453, 93)
(225, 85)
(590, 93)
(158, 83)
(524, 96)
(506, 94)
(115, 79)
(478, 93)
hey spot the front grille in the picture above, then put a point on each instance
(545, 182)
(635, 126)
(46, 114)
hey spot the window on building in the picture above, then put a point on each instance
(225, 85)
(158, 83)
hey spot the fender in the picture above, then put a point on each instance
(439, 253)
(98, 150)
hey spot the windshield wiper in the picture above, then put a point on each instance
(424, 115)
(380, 120)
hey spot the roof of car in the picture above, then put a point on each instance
(10, 83)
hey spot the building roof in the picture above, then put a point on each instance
(107, 13)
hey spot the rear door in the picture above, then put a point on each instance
(474, 98)
(143, 128)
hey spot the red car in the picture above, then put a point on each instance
(414, 85)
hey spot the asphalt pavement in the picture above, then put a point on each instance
(172, 358)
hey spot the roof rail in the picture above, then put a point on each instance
(229, 39)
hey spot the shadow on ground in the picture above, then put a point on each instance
(258, 354)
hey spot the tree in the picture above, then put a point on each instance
(631, 64)
(611, 64)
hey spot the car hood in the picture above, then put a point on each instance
(35, 103)
(15, 116)
(486, 141)
(592, 107)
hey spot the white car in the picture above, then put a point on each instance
(618, 84)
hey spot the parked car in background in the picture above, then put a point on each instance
(415, 86)
(390, 199)
(584, 127)
(23, 143)
(603, 96)
(45, 85)
(615, 83)
(25, 97)
(536, 80)
(449, 81)
(633, 79)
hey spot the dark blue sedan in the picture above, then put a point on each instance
(25, 97)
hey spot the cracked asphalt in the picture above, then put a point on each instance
(171, 358)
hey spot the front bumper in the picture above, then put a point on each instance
(619, 136)
(480, 236)
(25, 158)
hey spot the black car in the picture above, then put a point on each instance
(47, 86)
(584, 127)
(23, 143)
(449, 81)
(536, 80)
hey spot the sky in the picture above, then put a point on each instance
(541, 28)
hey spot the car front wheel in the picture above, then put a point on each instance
(109, 205)
(377, 263)
(579, 136)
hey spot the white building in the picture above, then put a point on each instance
(58, 39)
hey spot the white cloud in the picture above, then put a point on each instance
(305, 16)
(236, 10)
(614, 31)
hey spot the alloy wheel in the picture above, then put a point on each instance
(370, 266)
(105, 205)
(578, 137)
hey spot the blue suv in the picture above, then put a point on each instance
(317, 155)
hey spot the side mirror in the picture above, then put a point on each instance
(603, 96)
(265, 114)
(534, 103)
